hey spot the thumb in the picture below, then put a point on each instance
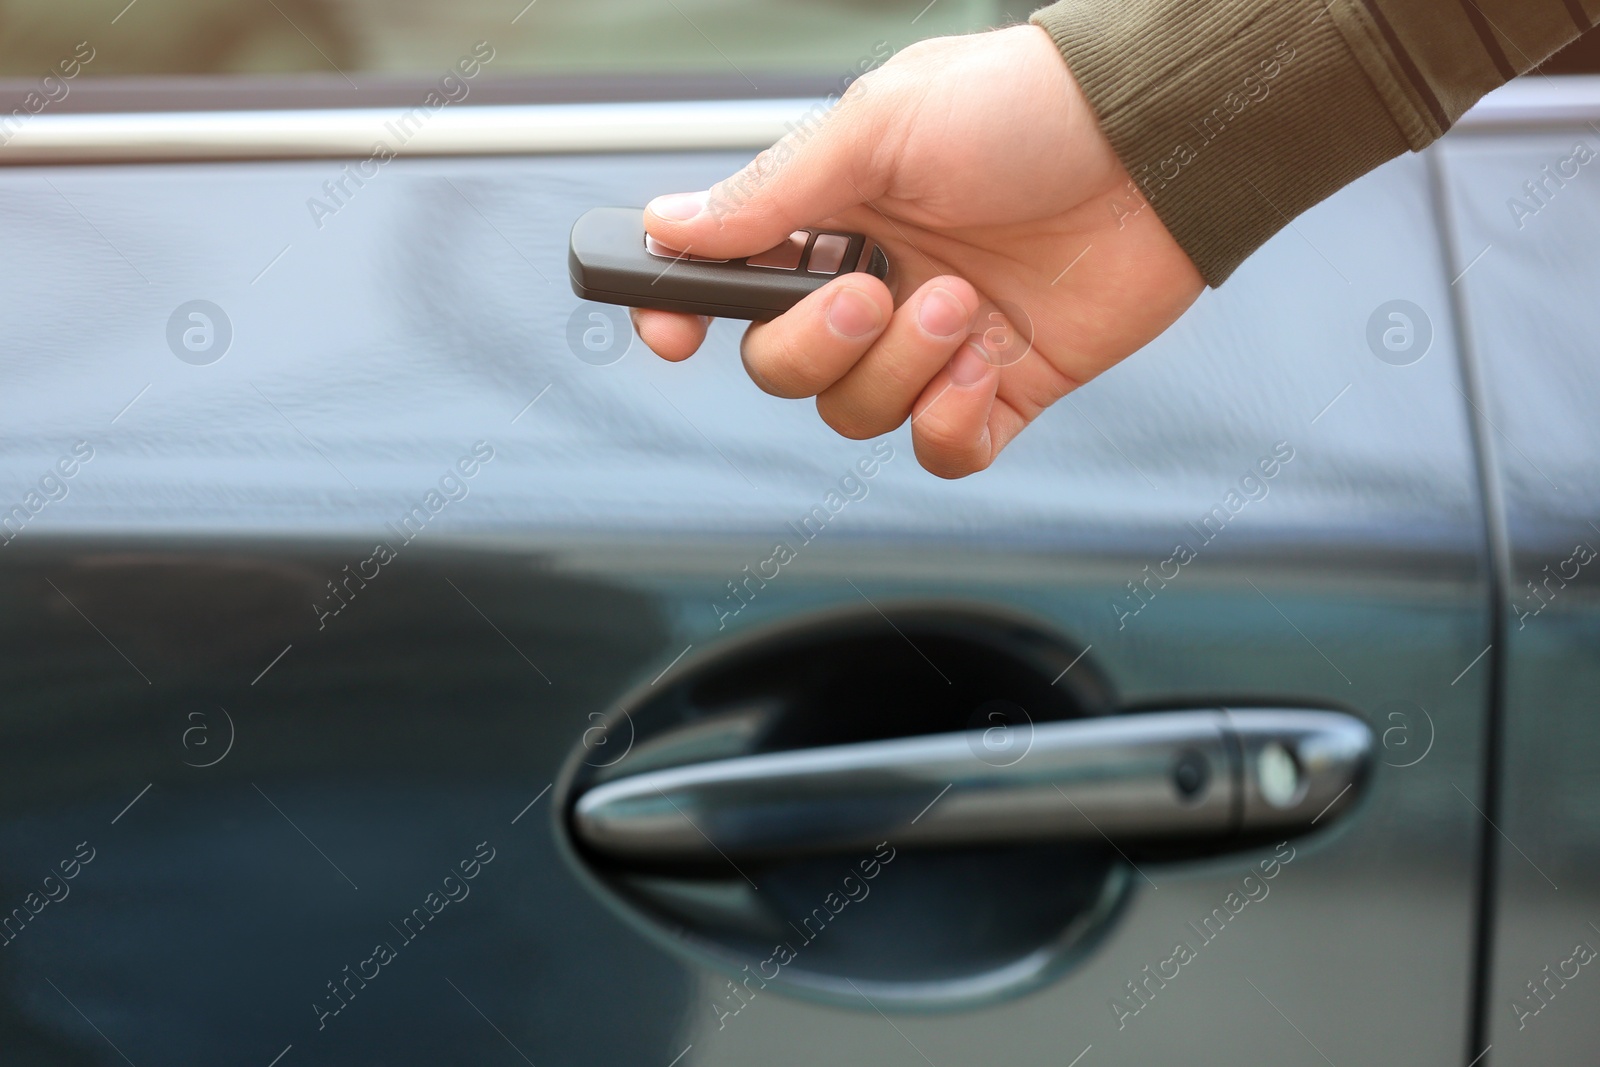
(824, 165)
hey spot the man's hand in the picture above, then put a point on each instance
(1025, 261)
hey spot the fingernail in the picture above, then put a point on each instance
(679, 207)
(853, 314)
(968, 367)
(942, 314)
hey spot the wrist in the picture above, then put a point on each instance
(1222, 114)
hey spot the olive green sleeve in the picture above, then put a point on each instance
(1234, 116)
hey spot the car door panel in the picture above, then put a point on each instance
(1530, 314)
(196, 575)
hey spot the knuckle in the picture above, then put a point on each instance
(732, 193)
(1036, 392)
(949, 467)
(764, 166)
(908, 373)
(938, 437)
(949, 473)
(858, 90)
(758, 173)
(776, 365)
(918, 50)
(946, 452)
(848, 420)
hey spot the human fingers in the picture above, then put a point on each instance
(672, 335)
(877, 393)
(816, 342)
(827, 163)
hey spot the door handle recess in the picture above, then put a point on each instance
(1186, 776)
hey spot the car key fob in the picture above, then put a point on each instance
(611, 259)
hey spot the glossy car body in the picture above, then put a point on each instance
(311, 642)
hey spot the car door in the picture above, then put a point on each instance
(1520, 192)
(346, 551)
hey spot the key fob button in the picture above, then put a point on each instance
(785, 256)
(612, 259)
(827, 254)
(656, 248)
(661, 251)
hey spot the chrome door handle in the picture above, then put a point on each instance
(1187, 776)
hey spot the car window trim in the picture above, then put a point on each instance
(418, 131)
(518, 129)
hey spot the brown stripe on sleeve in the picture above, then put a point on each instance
(1490, 45)
(1527, 31)
(1407, 64)
(1234, 116)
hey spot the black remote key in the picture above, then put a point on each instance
(612, 260)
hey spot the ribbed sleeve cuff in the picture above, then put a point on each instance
(1232, 117)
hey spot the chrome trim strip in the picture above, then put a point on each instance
(1206, 775)
(356, 133)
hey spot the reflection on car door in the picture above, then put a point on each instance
(311, 651)
(1524, 201)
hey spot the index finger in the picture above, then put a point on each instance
(672, 335)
